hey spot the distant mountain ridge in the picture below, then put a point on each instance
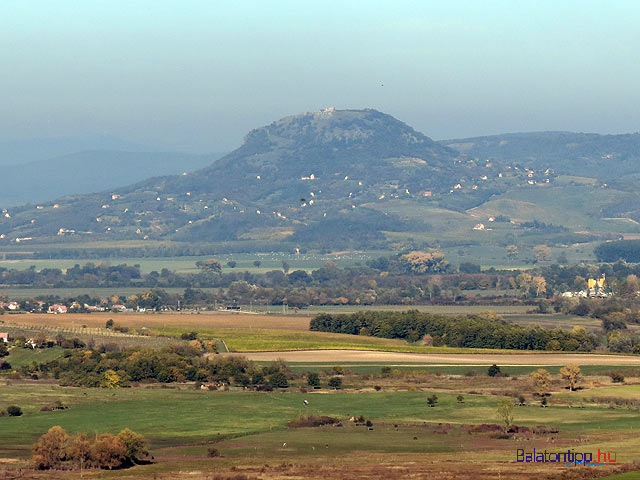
(19, 152)
(607, 157)
(88, 171)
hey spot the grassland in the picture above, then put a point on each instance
(25, 356)
(187, 264)
(248, 429)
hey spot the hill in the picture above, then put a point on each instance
(361, 179)
(606, 157)
(287, 178)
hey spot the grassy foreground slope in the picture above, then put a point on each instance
(249, 430)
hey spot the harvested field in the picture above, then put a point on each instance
(161, 320)
(528, 358)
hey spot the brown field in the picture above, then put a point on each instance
(161, 320)
(506, 359)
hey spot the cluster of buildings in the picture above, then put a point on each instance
(595, 288)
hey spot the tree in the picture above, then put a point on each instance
(257, 263)
(432, 400)
(40, 340)
(505, 412)
(335, 383)
(110, 379)
(279, 380)
(108, 324)
(313, 379)
(14, 411)
(460, 399)
(79, 450)
(571, 373)
(541, 381)
(108, 451)
(539, 284)
(512, 251)
(632, 285)
(134, 444)
(542, 253)
(424, 262)
(285, 267)
(211, 265)
(493, 370)
(51, 449)
(524, 282)
(232, 264)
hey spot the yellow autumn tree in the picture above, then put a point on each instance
(571, 373)
(541, 381)
(110, 379)
(425, 262)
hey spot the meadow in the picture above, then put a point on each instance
(249, 431)
(187, 264)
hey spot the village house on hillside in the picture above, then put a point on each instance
(4, 337)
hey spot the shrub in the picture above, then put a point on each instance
(617, 377)
(14, 411)
(278, 380)
(5, 366)
(432, 400)
(493, 370)
(312, 421)
(377, 387)
(213, 452)
(313, 379)
(134, 445)
(335, 382)
(460, 399)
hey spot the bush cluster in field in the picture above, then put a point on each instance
(56, 450)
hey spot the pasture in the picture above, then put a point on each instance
(249, 431)
(187, 264)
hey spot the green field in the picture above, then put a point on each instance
(436, 309)
(260, 340)
(25, 356)
(187, 264)
(203, 416)
(248, 428)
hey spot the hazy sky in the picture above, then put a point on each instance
(198, 75)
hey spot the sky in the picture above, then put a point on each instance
(196, 76)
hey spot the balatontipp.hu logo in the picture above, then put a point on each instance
(568, 458)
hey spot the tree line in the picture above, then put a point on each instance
(88, 367)
(473, 331)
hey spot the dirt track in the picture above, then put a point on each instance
(443, 358)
